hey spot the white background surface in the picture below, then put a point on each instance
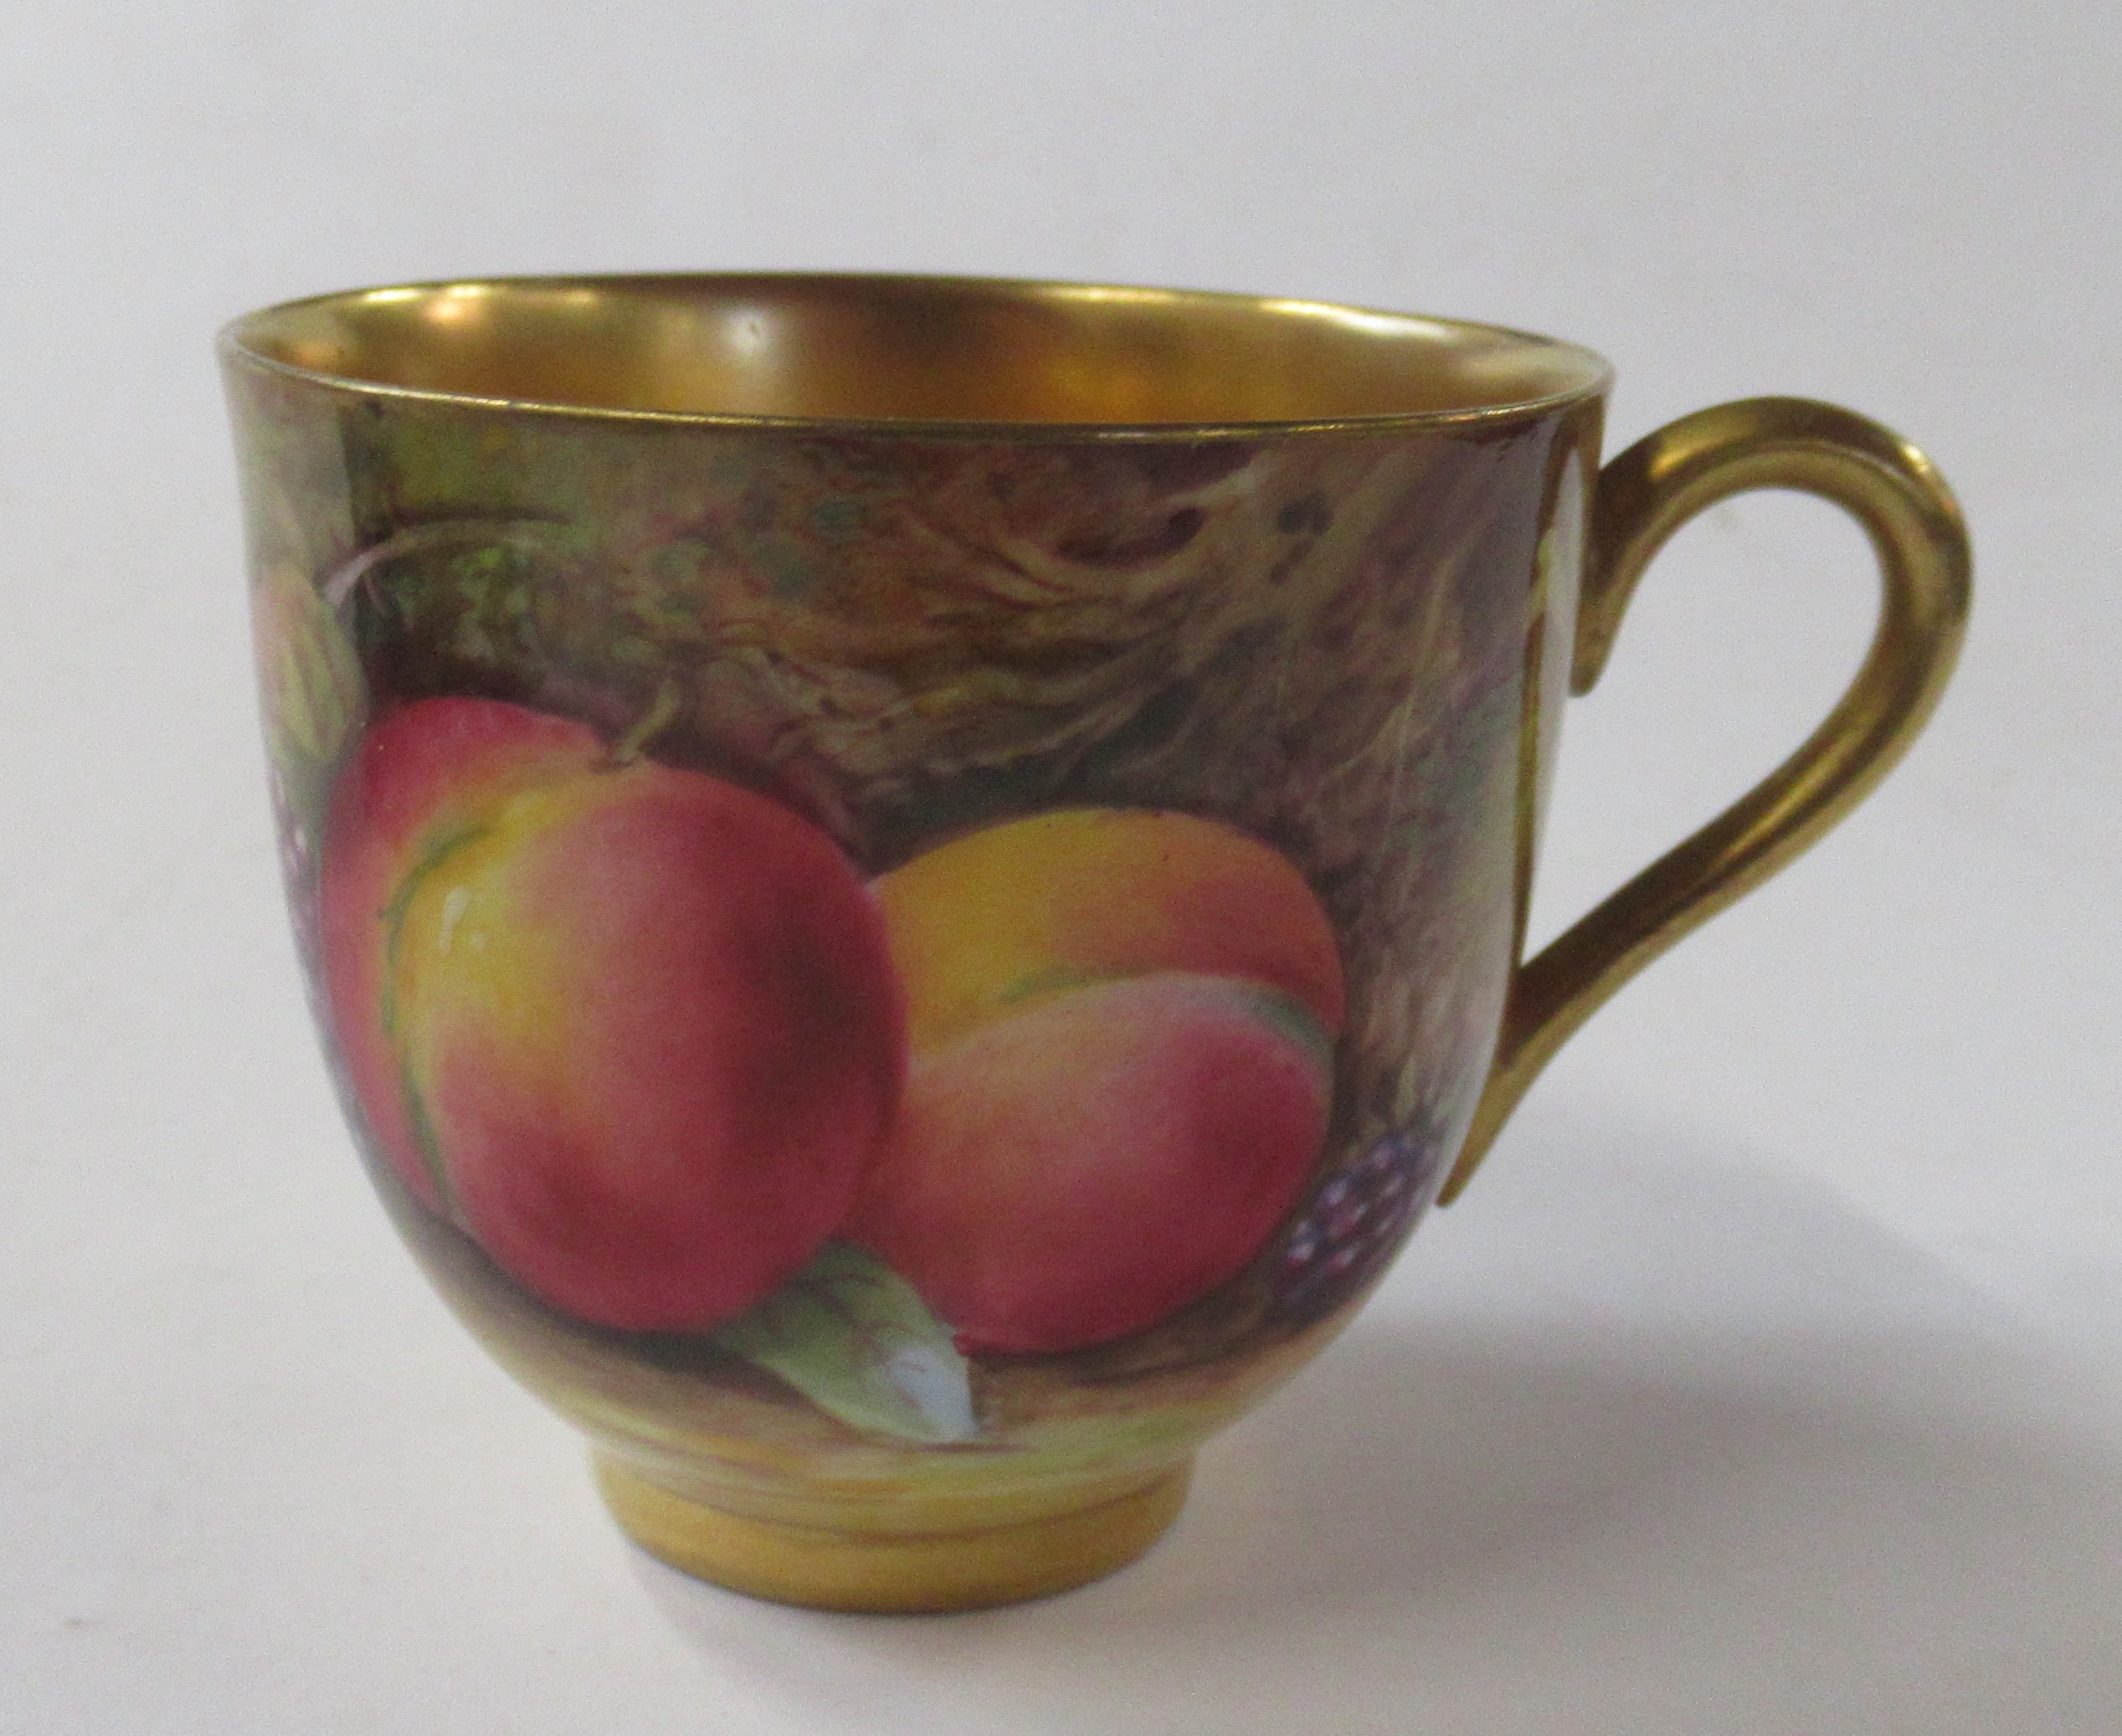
(1767, 1380)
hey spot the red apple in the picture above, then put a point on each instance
(635, 1029)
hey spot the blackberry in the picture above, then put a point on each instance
(1356, 1222)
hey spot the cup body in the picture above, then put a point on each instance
(897, 951)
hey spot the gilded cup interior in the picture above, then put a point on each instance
(870, 350)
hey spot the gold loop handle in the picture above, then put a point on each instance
(1644, 495)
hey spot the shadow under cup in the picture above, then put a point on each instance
(910, 885)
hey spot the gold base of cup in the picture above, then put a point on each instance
(893, 1572)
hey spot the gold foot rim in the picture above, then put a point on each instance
(881, 1573)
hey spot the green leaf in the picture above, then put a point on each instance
(315, 698)
(850, 1334)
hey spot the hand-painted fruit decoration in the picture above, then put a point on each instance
(1083, 894)
(1354, 1227)
(1086, 1167)
(645, 1036)
(635, 1029)
(1122, 1024)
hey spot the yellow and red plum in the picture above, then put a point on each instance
(635, 1029)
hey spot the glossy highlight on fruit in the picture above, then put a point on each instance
(635, 1029)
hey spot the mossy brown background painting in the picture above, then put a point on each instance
(1331, 645)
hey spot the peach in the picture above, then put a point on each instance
(1121, 1023)
(992, 920)
(422, 779)
(1079, 1171)
(635, 1029)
